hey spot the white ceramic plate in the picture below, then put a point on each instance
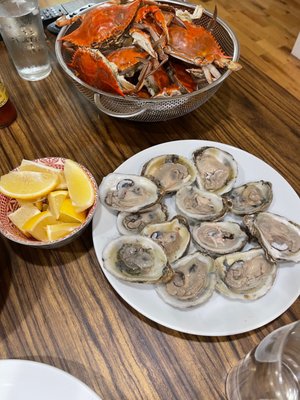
(30, 380)
(219, 316)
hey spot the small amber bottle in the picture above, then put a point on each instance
(8, 112)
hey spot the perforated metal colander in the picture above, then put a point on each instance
(157, 109)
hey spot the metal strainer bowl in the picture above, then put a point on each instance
(155, 109)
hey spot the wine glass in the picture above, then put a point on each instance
(271, 371)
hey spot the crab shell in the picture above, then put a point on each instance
(193, 44)
(103, 22)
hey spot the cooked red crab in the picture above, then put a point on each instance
(141, 40)
(101, 23)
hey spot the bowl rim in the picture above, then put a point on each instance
(53, 243)
(217, 82)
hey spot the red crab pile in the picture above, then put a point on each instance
(144, 48)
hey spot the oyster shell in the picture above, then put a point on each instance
(171, 171)
(173, 236)
(193, 282)
(245, 275)
(219, 238)
(199, 205)
(136, 258)
(250, 198)
(133, 223)
(276, 234)
(217, 169)
(123, 192)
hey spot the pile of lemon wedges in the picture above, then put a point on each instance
(53, 202)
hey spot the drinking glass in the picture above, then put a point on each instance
(271, 371)
(22, 30)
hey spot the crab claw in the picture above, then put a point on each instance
(64, 20)
(142, 39)
(157, 14)
(92, 67)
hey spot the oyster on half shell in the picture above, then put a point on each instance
(245, 275)
(136, 258)
(219, 238)
(193, 282)
(173, 236)
(171, 171)
(199, 205)
(135, 222)
(250, 198)
(125, 192)
(276, 234)
(217, 169)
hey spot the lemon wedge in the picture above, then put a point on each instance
(30, 203)
(22, 215)
(27, 165)
(27, 185)
(36, 226)
(68, 213)
(60, 230)
(79, 185)
(55, 200)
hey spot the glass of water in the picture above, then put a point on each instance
(23, 34)
(271, 371)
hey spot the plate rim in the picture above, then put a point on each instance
(16, 363)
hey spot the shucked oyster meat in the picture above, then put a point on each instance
(217, 169)
(218, 238)
(153, 249)
(245, 275)
(174, 236)
(193, 282)
(136, 258)
(133, 223)
(199, 205)
(171, 171)
(250, 198)
(276, 234)
(129, 193)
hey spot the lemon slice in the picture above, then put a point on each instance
(22, 215)
(55, 200)
(60, 230)
(68, 213)
(36, 226)
(27, 185)
(27, 165)
(80, 187)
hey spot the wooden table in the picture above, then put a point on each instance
(56, 305)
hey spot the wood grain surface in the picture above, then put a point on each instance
(56, 306)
